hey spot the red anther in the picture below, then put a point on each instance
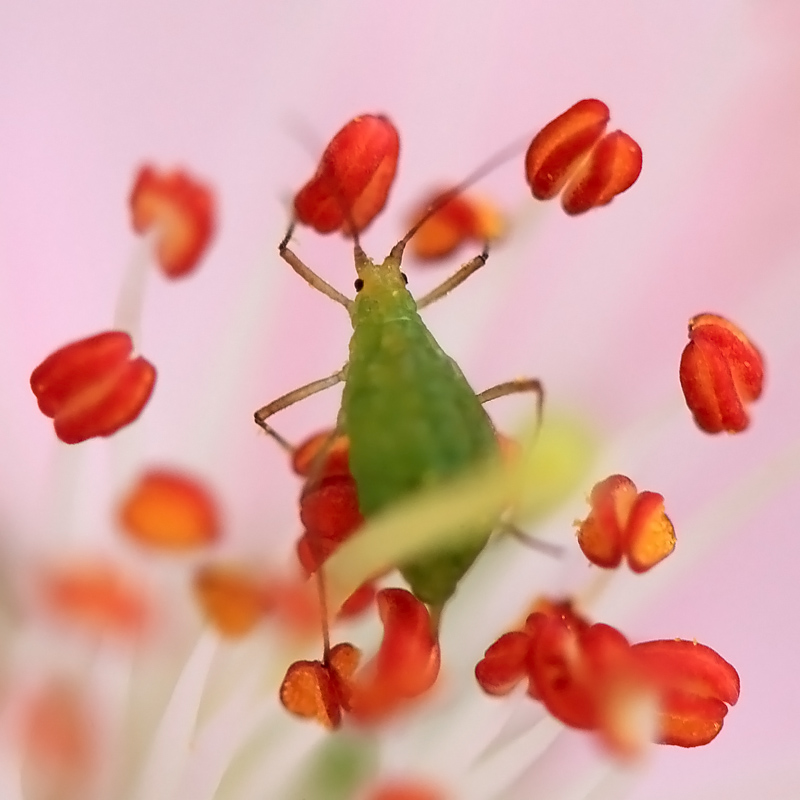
(168, 510)
(504, 663)
(406, 789)
(623, 521)
(612, 167)
(180, 210)
(572, 150)
(330, 510)
(93, 387)
(337, 461)
(462, 218)
(560, 146)
(233, 599)
(358, 602)
(721, 373)
(406, 664)
(57, 735)
(97, 596)
(695, 684)
(353, 179)
(320, 691)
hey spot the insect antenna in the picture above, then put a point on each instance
(493, 162)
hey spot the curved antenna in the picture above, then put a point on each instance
(500, 157)
(301, 131)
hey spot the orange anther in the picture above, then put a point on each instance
(233, 599)
(180, 210)
(353, 179)
(93, 387)
(721, 373)
(97, 596)
(462, 218)
(170, 511)
(623, 521)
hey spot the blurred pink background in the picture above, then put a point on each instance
(597, 306)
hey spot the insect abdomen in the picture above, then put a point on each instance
(413, 421)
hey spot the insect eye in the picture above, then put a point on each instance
(359, 284)
(404, 277)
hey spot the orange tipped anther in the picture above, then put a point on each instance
(406, 789)
(180, 210)
(320, 691)
(352, 182)
(504, 663)
(337, 461)
(462, 218)
(93, 387)
(562, 144)
(721, 373)
(170, 511)
(97, 596)
(233, 599)
(695, 684)
(623, 521)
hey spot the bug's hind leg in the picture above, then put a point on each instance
(554, 550)
(456, 279)
(517, 386)
(290, 398)
(522, 386)
(308, 274)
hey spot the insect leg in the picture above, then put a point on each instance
(520, 386)
(307, 274)
(456, 279)
(531, 541)
(517, 386)
(290, 398)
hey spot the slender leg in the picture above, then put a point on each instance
(307, 274)
(520, 386)
(517, 386)
(290, 398)
(531, 541)
(456, 279)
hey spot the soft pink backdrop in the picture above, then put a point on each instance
(597, 306)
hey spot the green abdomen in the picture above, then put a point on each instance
(413, 422)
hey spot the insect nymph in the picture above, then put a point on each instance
(412, 419)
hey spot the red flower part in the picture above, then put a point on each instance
(97, 596)
(462, 218)
(353, 179)
(337, 462)
(562, 144)
(330, 510)
(320, 691)
(571, 150)
(406, 664)
(623, 521)
(504, 663)
(613, 166)
(695, 684)
(233, 599)
(570, 669)
(93, 387)
(406, 789)
(170, 511)
(721, 373)
(181, 211)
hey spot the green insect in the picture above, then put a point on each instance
(412, 419)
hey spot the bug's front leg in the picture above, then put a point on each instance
(456, 279)
(290, 398)
(308, 274)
